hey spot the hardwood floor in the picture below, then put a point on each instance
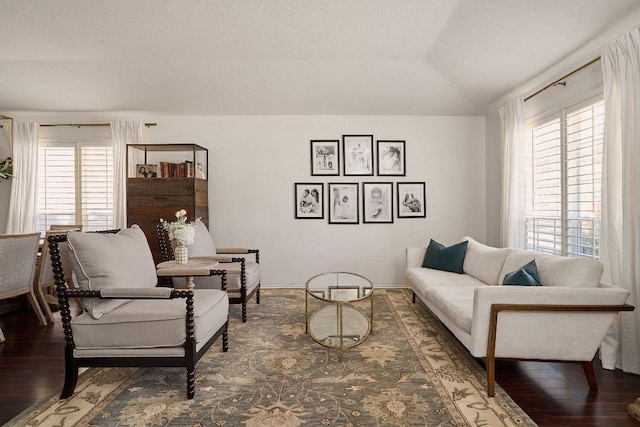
(32, 368)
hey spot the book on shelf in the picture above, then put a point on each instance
(177, 170)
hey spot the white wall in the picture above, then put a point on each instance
(255, 161)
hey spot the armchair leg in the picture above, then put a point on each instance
(225, 341)
(70, 376)
(244, 312)
(587, 367)
(258, 295)
(191, 382)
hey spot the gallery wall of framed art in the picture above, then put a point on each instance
(376, 202)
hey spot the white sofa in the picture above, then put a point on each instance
(565, 319)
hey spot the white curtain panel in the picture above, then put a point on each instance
(23, 201)
(621, 195)
(123, 133)
(513, 187)
(8, 130)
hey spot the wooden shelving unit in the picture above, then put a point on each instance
(149, 199)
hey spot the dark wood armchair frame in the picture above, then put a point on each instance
(166, 251)
(72, 363)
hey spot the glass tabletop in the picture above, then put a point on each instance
(339, 286)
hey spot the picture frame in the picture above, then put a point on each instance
(325, 157)
(391, 158)
(412, 200)
(344, 293)
(357, 155)
(144, 170)
(309, 200)
(343, 203)
(377, 202)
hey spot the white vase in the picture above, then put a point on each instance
(182, 254)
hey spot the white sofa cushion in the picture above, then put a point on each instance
(424, 279)
(556, 270)
(456, 302)
(106, 260)
(484, 262)
(152, 323)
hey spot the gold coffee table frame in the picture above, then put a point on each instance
(338, 322)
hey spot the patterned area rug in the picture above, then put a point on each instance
(409, 372)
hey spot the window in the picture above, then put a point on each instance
(75, 185)
(564, 180)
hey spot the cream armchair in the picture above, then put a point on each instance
(243, 274)
(128, 321)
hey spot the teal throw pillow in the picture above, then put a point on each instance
(445, 258)
(527, 275)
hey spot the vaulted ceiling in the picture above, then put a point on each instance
(201, 57)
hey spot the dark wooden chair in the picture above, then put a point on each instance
(243, 274)
(129, 325)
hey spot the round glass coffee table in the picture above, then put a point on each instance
(338, 309)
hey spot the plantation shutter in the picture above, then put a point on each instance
(75, 185)
(564, 160)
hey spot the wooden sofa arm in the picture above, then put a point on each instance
(493, 328)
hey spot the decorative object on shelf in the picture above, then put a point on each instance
(377, 202)
(325, 157)
(182, 233)
(309, 199)
(343, 203)
(357, 153)
(412, 200)
(6, 168)
(146, 171)
(391, 158)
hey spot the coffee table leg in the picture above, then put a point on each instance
(340, 331)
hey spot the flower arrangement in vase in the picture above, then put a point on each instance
(181, 233)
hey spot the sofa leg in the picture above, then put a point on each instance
(490, 365)
(413, 299)
(225, 341)
(587, 367)
(258, 295)
(244, 312)
(191, 382)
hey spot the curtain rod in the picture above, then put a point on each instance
(593, 61)
(78, 125)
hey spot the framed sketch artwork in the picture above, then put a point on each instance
(325, 157)
(411, 200)
(309, 200)
(391, 158)
(357, 154)
(377, 201)
(343, 203)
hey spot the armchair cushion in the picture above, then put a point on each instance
(93, 254)
(151, 323)
(252, 271)
(202, 242)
